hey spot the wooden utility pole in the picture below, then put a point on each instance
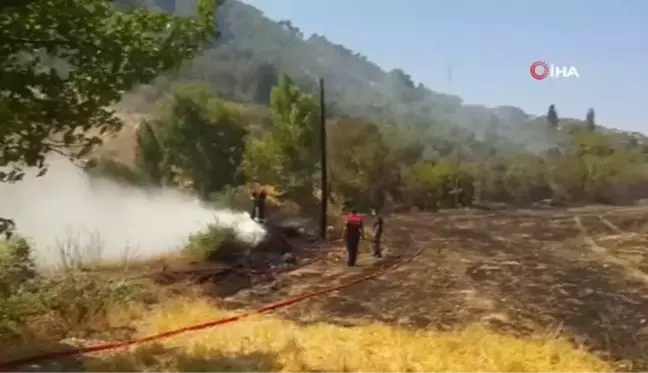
(457, 185)
(324, 177)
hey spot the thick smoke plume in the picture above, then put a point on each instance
(101, 219)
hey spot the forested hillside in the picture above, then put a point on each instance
(243, 65)
(390, 139)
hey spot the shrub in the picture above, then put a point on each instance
(215, 243)
(48, 308)
(80, 303)
(17, 269)
(16, 264)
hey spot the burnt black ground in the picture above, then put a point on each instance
(522, 272)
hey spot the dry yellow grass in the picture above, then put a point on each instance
(265, 343)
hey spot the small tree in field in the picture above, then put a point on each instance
(287, 156)
(194, 137)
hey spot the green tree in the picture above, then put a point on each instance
(287, 156)
(440, 184)
(422, 185)
(150, 153)
(589, 120)
(64, 62)
(584, 142)
(202, 139)
(357, 160)
(552, 117)
(525, 179)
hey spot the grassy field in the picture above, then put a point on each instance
(275, 344)
(523, 290)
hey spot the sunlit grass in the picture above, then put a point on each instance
(266, 343)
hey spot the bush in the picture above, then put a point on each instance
(215, 243)
(80, 303)
(17, 269)
(50, 308)
(439, 184)
(16, 265)
(194, 141)
(73, 306)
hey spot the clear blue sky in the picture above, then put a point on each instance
(490, 45)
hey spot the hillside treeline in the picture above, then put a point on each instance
(245, 62)
(199, 141)
(392, 143)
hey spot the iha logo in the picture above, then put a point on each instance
(541, 70)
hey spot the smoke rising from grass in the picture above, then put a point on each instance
(101, 219)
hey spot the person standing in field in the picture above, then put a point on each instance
(261, 204)
(353, 232)
(377, 234)
(255, 204)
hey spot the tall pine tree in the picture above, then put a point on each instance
(552, 117)
(589, 120)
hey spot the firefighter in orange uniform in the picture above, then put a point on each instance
(353, 232)
(261, 204)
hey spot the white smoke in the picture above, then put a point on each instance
(66, 207)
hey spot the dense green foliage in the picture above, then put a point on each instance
(374, 167)
(287, 154)
(64, 62)
(215, 244)
(194, 142)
